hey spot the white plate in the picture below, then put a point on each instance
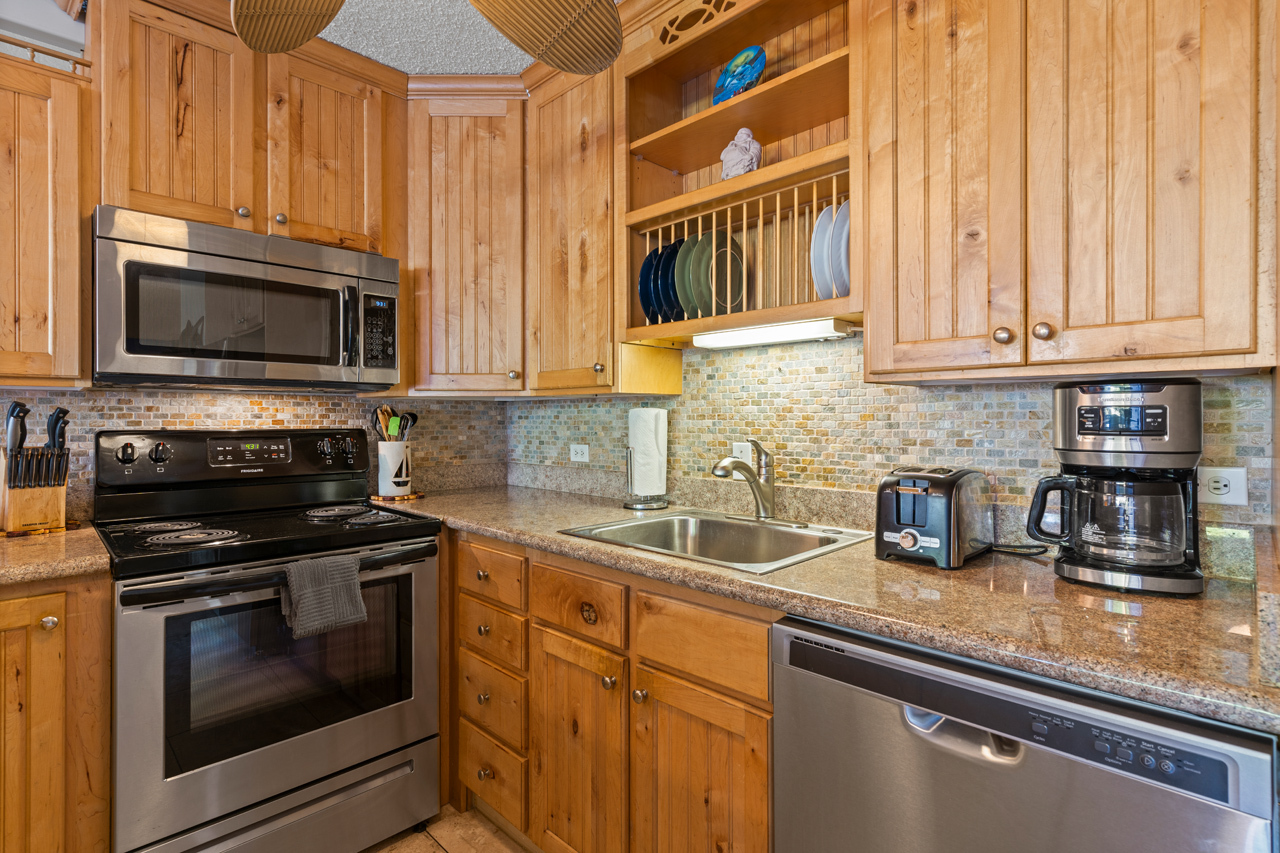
(840, 251)
(820, 254)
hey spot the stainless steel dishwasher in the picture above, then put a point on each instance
(887, 748)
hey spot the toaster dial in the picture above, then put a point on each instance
(909, 540)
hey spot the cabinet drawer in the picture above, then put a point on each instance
(493, 698)
(499, 575)
(589, 607)
(712, 645)
(497, 633)
(493, 772)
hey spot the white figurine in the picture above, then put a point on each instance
(742, 155)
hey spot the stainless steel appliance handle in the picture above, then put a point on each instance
(265, 580)
(962, 739)
(350, 328)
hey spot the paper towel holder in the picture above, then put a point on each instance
(641, 502)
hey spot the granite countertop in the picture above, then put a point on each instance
(1216, 655)
(52, 555)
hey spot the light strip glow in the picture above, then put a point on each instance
(809, 330)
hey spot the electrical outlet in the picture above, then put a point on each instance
(742, 450)
(579, 453)
(1228, 486)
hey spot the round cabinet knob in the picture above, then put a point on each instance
(244, 212)
(638, 696)
(482, 698)
(49, 623)
(326, 448)
(482, 575)
(608, 682)
(282, 219)
(482, 630)
(1042, 331)
(1002, 335)
(484, 773)
(598, 367)
(127, 454)
(513, 374)
(160, 453)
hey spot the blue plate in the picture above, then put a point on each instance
(666, 278)
(742, 73)
(647, 303)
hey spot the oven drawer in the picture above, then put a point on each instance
(498, 575)
(497, 633)
(493, 698)
(494, 773)
(589, 607)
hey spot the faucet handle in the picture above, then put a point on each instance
(764, 457)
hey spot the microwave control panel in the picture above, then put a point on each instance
(379, 313)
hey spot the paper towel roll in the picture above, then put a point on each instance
(647, 440)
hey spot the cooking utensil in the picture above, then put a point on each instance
(16, 437)
(407, 422)
(393, 427)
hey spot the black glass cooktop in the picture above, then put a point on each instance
(175, 544)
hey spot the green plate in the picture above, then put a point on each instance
(684, 280)
(730, 274)
(700, 275)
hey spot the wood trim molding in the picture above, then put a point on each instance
(537, 74)
(504, 87)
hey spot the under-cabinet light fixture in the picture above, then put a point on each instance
(784, 333)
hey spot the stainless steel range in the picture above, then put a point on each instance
(228, 732)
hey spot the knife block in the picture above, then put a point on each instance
(38, 510)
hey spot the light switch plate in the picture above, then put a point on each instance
(579, 453)
(742, 450)
(1228, 486)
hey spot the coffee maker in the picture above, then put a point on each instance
(1129, 450)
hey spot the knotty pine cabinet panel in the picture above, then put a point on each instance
(467, 159)
(177, 116)
(945, 146)
(40, 240)
(569, 238)
(324, 155)
(1141, 182)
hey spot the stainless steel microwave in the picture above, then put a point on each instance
(179, 303)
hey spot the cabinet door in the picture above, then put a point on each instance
(324, 155)
(570, 140)
(945, 137)
(578, 745)
(177, 116)
(40, 209)
(33, 691)
(699, 770)
(1141, 212)
(468, 201)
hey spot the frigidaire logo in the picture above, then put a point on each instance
(251, 470)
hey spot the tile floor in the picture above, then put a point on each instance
(451, 832)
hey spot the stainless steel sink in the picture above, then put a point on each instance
(725, 540)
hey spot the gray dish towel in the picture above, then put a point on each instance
(321, 595)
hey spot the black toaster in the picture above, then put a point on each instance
(943, 515)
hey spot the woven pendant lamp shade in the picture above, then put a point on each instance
(577, 36)
(278, 26)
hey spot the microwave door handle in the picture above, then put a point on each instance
(267, 580)
(350, 327)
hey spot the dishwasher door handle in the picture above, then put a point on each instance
(961, 738)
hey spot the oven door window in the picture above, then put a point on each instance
(237, 681)
(183, 313)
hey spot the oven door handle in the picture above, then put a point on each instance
(267, 580)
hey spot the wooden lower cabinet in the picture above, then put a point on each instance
(699, 769)
(579, 745)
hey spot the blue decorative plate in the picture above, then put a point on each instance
(666, 278)
(742, 73)
(647, 303)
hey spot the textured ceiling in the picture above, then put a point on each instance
(425, 37)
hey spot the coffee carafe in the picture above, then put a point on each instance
(1129, 450)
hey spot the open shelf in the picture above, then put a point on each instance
(807, 97)
(684, 330)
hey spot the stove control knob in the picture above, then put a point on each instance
(326, 448)
(160, 453)
(349, 448)
(127, 454)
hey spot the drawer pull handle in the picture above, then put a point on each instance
(484, 773)
(1042, 331)
(49, 623)
(588, 611)
(598, 367)
(482, 575)
(243, 212)
(282, 219)
(608, 682)
(1002, 335)
(639, 696)
(482, 699)
(482, 630)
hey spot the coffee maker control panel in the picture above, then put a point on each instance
(1150, 421)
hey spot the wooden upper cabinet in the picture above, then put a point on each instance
(33, 714)
(570, 232)
(40, 241)
(944, 94)
(1141, 181)
(177, 116)
(324, 155)
(467, 226)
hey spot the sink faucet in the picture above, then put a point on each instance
(761, 484)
